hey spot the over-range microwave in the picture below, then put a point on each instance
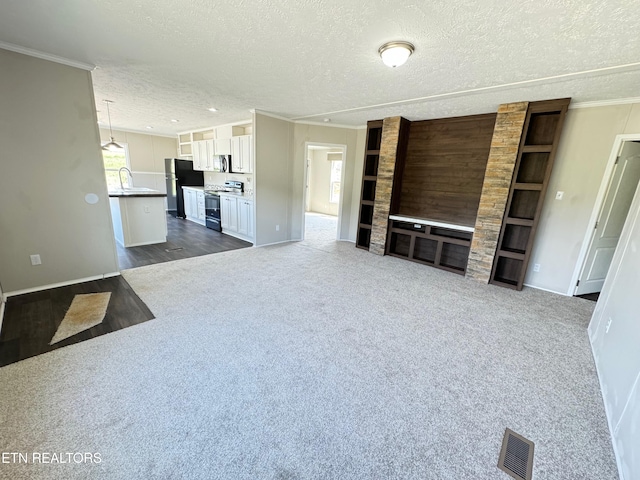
(221, 163)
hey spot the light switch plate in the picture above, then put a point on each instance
(559, 195)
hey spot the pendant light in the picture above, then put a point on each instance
(112, 146)
(394, 54)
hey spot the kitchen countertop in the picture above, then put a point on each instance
(136, 192)
(243, 195)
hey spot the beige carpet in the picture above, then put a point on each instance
(86, 311)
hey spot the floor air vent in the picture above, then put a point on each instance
(516, 456)
(176, 249)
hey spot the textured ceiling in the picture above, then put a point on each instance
(311, 59)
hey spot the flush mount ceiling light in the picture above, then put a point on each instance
(173, 120)
(394, 54)
(212, 109)
(111, 146)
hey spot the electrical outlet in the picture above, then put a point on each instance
(35, 260)
(277, 228)
(608, 325)
(559, 195)
(536, 267)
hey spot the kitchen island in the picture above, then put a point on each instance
(139, 216)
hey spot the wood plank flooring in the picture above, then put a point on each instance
(185, 239)
(31, 320)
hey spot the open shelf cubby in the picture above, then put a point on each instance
(515, 238)
(542, 128)
(533, 167)
(369, 179)
(524, 204)
(400, 244)
(508, 271)
(538, 145)
(371, 165)
(425, 250)
(366, 214)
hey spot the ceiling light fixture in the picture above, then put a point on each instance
(212, 109)
(173, 120)
(394, 54)
(111, 146)
(149, 127)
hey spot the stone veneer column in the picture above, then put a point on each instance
(384, 183)
(495, 189)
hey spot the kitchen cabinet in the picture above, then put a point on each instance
(229, 214)
(203, 151)
(194, 208)
(223, 146)
(237, 217)
(241, 154)
(245, 218)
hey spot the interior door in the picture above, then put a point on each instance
(624, 181)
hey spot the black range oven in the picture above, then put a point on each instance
(212, 211)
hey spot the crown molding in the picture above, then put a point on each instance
(46, 56)
(327, 124)
(272, 115)
(105, 126)
(604, 103)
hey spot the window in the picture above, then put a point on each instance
(336, 175)
(113, 162)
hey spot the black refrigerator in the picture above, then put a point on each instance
(179, 173)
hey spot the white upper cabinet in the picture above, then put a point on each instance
(223, 146)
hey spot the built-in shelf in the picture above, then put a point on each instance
(434, 223)
(369, 180)
(541, 133)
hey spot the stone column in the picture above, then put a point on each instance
(384, 183)
(495, 189)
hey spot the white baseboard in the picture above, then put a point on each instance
(275, 243)
(546, 290)
(607, 414)
(60, 284)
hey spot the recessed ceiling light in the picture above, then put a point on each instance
(149, 127)
(394, 54)
(173, 120)
(326, 120)
(213, 109)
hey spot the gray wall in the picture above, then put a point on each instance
(272, 176)
(583, 152)
(617, 351)
(352, 165)
(51, 159)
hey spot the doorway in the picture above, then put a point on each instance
(324, 174)
(617, 191)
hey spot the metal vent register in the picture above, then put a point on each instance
(516, 456)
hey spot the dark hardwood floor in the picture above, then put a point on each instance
(31, 320)
(590, 296)
(185, 239)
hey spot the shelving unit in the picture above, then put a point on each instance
(185, 145)
(369, 179)
(446, 248)
(532, 171)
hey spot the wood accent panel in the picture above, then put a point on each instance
(392, 157)
(444, 168)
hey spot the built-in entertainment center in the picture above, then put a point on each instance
(461, 194)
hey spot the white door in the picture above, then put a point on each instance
(225, 213)
(624, 181)
(245, 153)
(236, 155)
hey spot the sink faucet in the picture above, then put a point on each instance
(120, 177)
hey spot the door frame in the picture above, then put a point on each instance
(597, 208)
(304, 182)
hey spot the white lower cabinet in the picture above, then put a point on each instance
(194, 204)
(236, 217)
(229, 214)
(245, 218)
